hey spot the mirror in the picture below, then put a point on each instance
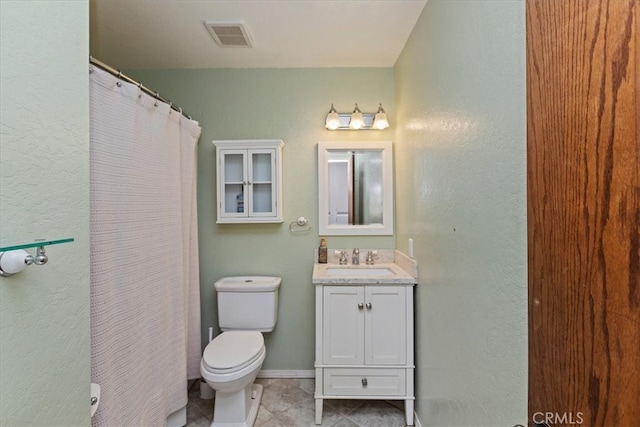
(355, 188)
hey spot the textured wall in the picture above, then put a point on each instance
(287, 104)
(461, 195)
(44, 193)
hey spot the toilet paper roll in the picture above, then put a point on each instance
(13, 262)
(206, 392)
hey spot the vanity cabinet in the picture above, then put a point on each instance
(249, 176)
(364, 344)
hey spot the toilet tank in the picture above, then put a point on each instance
(248, 303)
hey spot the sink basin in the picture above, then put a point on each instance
(359, 272)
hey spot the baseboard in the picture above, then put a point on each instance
(416, 420)
(275, 373)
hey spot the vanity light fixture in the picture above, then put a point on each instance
(356, 120)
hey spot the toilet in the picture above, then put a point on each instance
(247, 306)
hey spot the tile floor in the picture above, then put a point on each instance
(289, 402)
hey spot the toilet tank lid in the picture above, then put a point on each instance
(248, 284)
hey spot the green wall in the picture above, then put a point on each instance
(287, 104)
(461, 195)
(44, 193)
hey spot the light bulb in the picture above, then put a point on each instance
(333, 119)
(380, 120)
(357, 121)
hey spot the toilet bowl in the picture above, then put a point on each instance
(229, 365)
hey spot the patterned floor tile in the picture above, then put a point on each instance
(377, 413)
(289, 402)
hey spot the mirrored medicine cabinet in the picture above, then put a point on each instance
(355, 188)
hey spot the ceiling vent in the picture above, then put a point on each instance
(229, 34)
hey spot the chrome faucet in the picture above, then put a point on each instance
(343, 258)
(355, 259)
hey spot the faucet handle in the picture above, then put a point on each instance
(370, 255)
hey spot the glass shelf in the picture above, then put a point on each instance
(36, 243)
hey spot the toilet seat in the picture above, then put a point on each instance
(231, 351)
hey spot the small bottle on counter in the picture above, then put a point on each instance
(322, 252)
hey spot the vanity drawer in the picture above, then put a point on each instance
(364, 382)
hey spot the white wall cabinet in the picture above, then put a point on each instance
(249, 176)
(364, 344)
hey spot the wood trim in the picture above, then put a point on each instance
(583, 133)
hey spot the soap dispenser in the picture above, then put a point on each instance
(322, 252)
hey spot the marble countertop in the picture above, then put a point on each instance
(398, 277)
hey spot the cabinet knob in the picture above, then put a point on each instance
(364, 382)
(360, 305)
(369, 306)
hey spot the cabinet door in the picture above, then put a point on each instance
(232, 183)
(385, 325)
(262, 183)
(343, 325)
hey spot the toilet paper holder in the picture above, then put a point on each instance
(14, 259)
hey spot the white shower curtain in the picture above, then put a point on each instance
(145, 293)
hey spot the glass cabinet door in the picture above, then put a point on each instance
(233, 164)
(262, 180)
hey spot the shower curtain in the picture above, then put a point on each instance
(145, 293)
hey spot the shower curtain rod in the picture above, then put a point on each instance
(124, 77)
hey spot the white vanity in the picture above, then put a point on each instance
(364, 330)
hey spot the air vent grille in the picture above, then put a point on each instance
(229, 34)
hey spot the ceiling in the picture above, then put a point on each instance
(151, 34)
